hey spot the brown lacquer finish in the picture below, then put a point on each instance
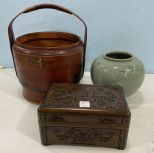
(42, 58)
(105, 122)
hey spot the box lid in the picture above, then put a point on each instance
(85, 99)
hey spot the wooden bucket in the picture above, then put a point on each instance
(42, 58)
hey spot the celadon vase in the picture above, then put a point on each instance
(118, 68)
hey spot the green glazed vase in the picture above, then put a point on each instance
(118, 68)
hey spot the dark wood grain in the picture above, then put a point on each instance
(42, 58)
(105, 123)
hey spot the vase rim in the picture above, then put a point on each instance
(119, 56)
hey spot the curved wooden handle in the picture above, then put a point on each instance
(45, 6)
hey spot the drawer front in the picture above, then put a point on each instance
(92, 136)
(92, 119)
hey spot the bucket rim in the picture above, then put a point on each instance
(17, 43)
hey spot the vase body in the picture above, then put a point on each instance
(118, 68)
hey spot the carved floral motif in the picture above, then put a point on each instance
(105, 98)
(84, 135)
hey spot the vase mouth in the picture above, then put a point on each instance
(118, 56)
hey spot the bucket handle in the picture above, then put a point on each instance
(45, 6)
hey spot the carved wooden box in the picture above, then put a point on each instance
(84, 115)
